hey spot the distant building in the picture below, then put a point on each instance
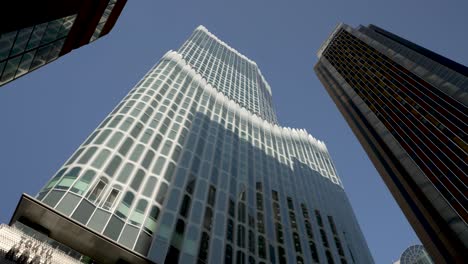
(414, 255)
(34, 33)
(193, 167)
(408, 107)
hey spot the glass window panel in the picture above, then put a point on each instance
(138, 213)
(87, 155)
(41, 57)
(68, 203)
(2, 65)
(149, 186)
(81, 186)
(103, 136)
(115, 140)
(125, 173)
(113, 165)
(137, 151)
(113, 228)
(136, 130)
(126, 146)
(68, 179)
(98, 220)
(159, 165)
(66, 26)
(128, 236)
(25, 63)
(197, 211)
(36, 36)
(169, 171)
(124, 206)
(21, 41)
(6, 42)
(55, 49)
(111, 198)
(150, 224)
(162, 193)
(148, 159)
(83, 212)
(156, 142)
(136, 182)
(125, 125)
(143, 243)
(166, 148)
(115, 121)
(101, 158)
(10, 69)
(51, 31)
(53, 197)
(55, 179)
(98, 189)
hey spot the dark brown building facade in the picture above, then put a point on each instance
(408, 108)
(34, 33)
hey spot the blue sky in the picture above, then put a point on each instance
(48, 113)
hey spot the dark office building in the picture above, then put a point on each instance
(34, 33)
(408, 107)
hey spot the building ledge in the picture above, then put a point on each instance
(73, 234)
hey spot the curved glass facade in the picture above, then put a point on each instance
(182, 170)
(415, 254)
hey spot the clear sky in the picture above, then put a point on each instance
(47, 114)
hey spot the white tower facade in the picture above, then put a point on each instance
(192, 166)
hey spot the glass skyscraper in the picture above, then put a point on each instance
(35, 33)
(193, 167)
(408, 107)
(415, 254)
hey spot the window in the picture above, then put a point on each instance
(208, 219)
(185, 206)
(150, 224)
(115, 121)
(83, 182)
(101, 158)
(109, 203)
(162, 193)
(68, 179)
(149, 186)
(211, 195)
(137, 151)
(95, 194)
(113, 165)
(329, 257)
(115, 140)
(169, 171)
(102, 137)
(204, 245)
(87, 155)
(240, 236)
(126, 146)
(125, 125)
(148, 159)
(124, 206)
(136, 182)
(158, 165)
(125, 173)
(138, 214)
(228, 255)
(261, 247)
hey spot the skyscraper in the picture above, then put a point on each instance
(35, 33)
(415, 254)
(192, 166)
(408, 108)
